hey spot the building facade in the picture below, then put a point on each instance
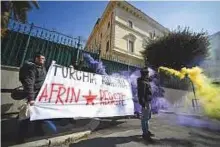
(121, 32)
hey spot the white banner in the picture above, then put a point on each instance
(68, 93)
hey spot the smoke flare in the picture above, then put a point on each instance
(207, 93)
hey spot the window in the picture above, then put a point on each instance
(130, 24)
(130, 46)
(101, 35)
(107, 46)
(108, 24)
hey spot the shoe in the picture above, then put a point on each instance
(151, 134)
(148, 138)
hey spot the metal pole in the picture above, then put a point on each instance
(194, 101)
(78, 44)
(99, 54)
(128, 65)
(77, 57)
(195, 104)
(128, 59)
(77, 53)
(27, 44)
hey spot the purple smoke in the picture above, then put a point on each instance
(158, 102)
(198, 122)
(191, 121)
(98, 66)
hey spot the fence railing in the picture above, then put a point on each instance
(23, 40)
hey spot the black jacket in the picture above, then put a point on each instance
(144, 91)
(32, 78)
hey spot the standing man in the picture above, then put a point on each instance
(32, 75)
(144, 96)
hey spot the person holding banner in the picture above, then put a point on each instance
(144, 97)
(32, 76)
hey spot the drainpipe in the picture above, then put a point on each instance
(110, 40)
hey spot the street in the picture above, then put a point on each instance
(127, 133)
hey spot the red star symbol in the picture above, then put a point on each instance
(90, 98)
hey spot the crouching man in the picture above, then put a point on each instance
(32, 75)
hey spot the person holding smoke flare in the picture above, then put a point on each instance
(144, 97)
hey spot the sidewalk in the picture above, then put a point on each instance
(73, 133)
(66, 132)
(168, 133)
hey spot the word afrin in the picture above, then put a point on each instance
(60, 92)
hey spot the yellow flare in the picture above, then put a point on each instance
(208, 94)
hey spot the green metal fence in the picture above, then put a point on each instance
(23, 40)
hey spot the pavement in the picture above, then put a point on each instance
(67, 132)
(170, 129)
(167, 128)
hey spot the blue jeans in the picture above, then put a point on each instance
(146, 115)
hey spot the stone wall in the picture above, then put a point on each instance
(9, 81)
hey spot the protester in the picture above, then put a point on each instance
(32, 75)
(144, 97)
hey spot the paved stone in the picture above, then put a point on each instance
(127, 133)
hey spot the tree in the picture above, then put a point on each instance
(177, 49)
(17, 10)
(149, 39)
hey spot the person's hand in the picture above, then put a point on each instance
(31, 102)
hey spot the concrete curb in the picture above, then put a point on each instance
(66, 139)
(72, 138)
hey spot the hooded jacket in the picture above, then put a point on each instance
(32, 77)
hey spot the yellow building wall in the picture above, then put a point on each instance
(96, 39)
(140, 30)
(105, 33)
(120, 31)
(121, 41)
(139, 25)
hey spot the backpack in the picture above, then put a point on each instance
(18, 93)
